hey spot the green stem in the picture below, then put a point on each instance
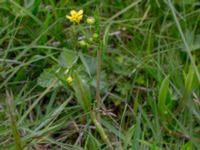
(100, 129)
(98, 97)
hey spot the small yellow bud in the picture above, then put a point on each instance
(90, 20)
(91, 39)
(95, 35)
(69, 80)
(82, 43)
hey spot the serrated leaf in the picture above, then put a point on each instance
(89, 64)
(85, 64)
(67, 59)
(192, 40)
(47, 77)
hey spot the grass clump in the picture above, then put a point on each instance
(99, 75)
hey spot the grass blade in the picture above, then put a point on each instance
(188, 50)
(13, 122)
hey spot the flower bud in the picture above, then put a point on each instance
(69, 80)
(90, 20)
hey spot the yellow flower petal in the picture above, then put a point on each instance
(73, 12)
(68, 17)
(80, 12)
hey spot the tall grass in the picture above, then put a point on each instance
(135, 75)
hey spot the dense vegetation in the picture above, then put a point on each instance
(126, 79)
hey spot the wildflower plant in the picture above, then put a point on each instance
(72, 77)
(81, 89)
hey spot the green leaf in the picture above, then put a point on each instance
(36, 6)
(67, 59)
(187, 146)
(82, 92)
(193, 41)
(112, 129)
(189, 80)
(91, 142)
(163, 94)
(85, 64)
(188, 2)
(47, 77)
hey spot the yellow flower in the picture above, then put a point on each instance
(90, 20)
(75, 16)
(69, 80)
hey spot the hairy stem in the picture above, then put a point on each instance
(100, 130)
(98, 97)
